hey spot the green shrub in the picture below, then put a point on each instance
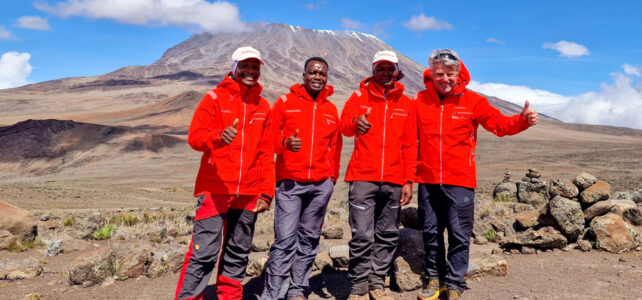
(490, 235)
(104, 233)
(68, 221)
(127, 220)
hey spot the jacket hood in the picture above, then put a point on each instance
(462, 81)
(372, 87)
(299, 90)
(236, 89)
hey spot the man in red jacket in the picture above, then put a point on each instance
(308, 143)
(232, 127)
(381, 170)
(448, 115)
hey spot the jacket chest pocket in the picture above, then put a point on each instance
(398, 119)
(328, 124)
(462, 122)
(257, 119)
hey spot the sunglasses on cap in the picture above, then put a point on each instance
(446, 54)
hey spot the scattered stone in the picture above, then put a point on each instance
(637, 197)
(20, 222)
(44, 217)
(493, 266)
(32, 296)
(597, 192)
(570, 247)
(527, 219)
(260, 245)
(544, 238)
(20, 269)
(584, 245)
(333, 233)
(173, 232)
(6, 238)
(340, 256)
(603, 207)
(92, 267)
(522, 207)
(166, 260)
(506, 192)
(481, 228)
(496, 250)
(156, 235)
(624, 196)
(257, 266)
(53, 248)
(506, 176)
(323, 262)
(50, 224)
(480, 240)
(410, 242)
(409, 218)
(407, 272)
(562, 187)
(612, 234)
(528, 250)
(336, 212)
(584, 180)
(534, 194)
(568, 216)
(131, 262)
(633, 215)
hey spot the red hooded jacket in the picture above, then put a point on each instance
(448, 131)
(388, 151)
(318, 125)
(245, 166)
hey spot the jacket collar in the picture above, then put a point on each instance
(462, 81)
(239, 90)
(298, 89)
(375, 89)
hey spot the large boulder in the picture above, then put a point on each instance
(340, 256)
(481, 228)
(131, 262)
(633, 215)
(333, 233)
(527, 219)
(612, 233)
(409, 218)
(166, 260)
(6, 239)
(568, 216)
(407, 272)
(20, 222)
(493, 266)
(534, 194)
(584, 180)
(410, 242)
(544, 238)
(323, 262)
(505, 191)
(597, 192)
(562, 187)
(20, 269)
(607, 206)
(92, 267)
(637, 197)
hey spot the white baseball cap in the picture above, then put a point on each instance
(243, 53)
(386, 55)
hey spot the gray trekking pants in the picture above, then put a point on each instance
(374, 216)
(298, 216)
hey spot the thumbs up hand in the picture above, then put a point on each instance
(229, 133)
(293, 143)
(362, 123)
(530, 114)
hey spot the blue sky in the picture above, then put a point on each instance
(560, 54)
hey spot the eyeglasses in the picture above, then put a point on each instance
(447, 55)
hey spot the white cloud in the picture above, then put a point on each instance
(494, 41)
(618, 104)
(14, 69)
(422, 23)
(316, 6)
(219, 16)
(352, 24)
(567, 49)
(4, 34)
(632, 70)
(31, 22)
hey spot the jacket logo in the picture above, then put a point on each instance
(227, 111)
(292, 110)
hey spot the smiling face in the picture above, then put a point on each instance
(444, 77)
(315, 77)
(385, 73)
(248, 72)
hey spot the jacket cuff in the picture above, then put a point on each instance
(408, 182)
(265, 197)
